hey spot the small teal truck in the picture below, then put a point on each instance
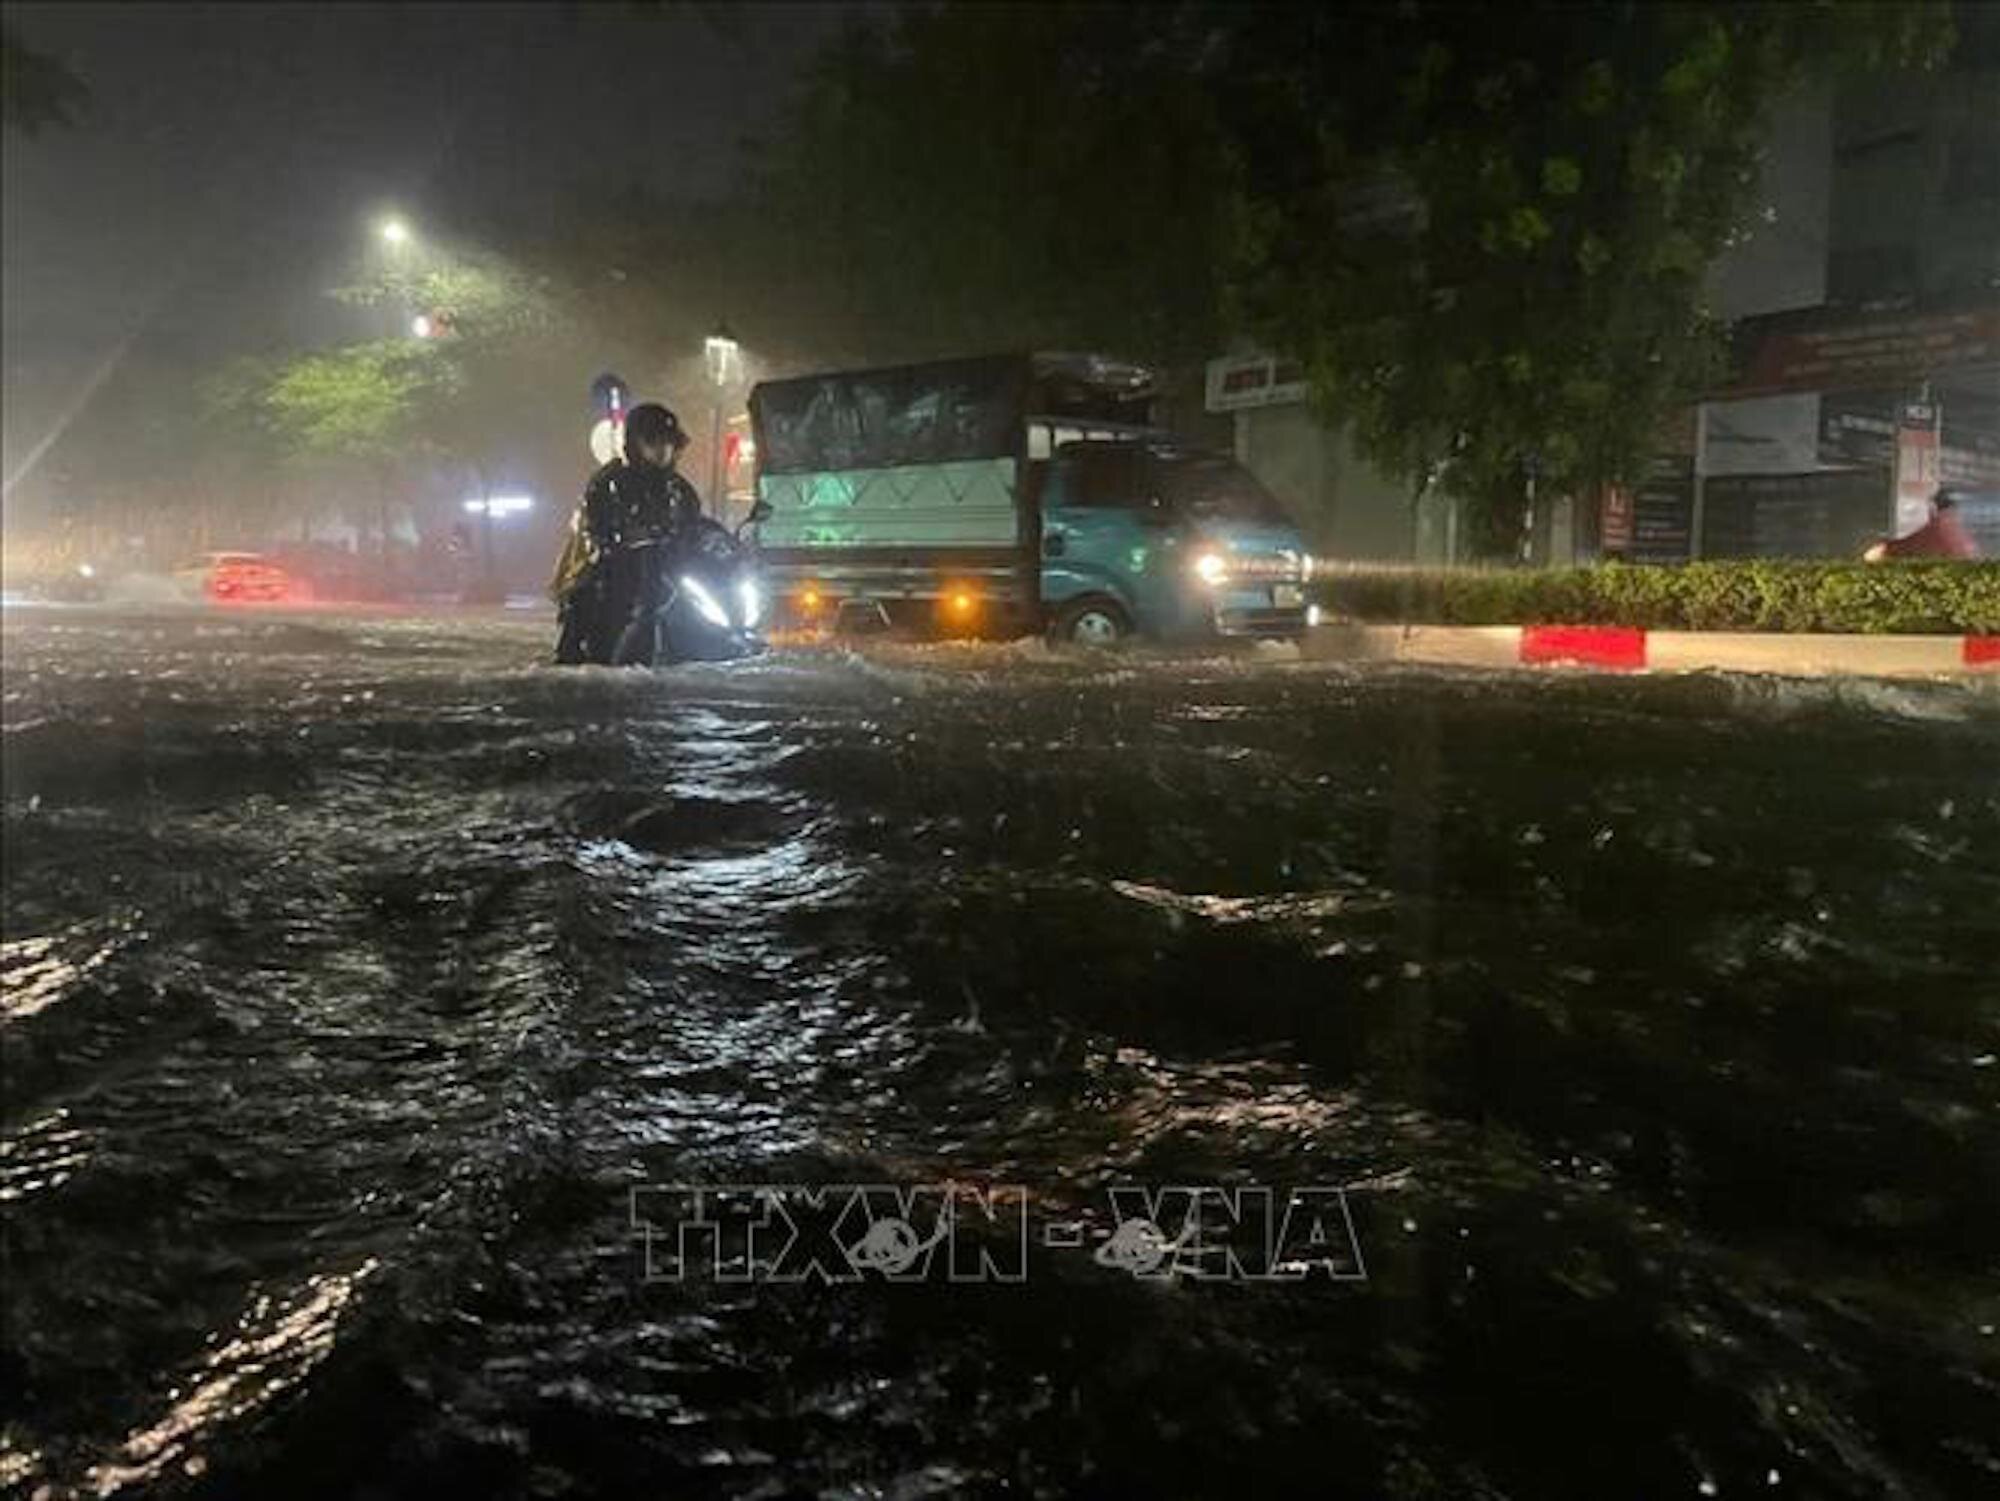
(1012, 494)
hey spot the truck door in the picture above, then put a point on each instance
(1103, 533)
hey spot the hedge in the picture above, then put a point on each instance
(1748, 595)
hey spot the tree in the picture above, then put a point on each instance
(492, 391)
(359, 402)
(993, 177)
(1487, 242)
(355, 409)
(1556, 189)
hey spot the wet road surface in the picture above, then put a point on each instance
(358, 970)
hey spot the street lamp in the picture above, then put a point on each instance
(725, 363)
(397, 238)
(724, 356)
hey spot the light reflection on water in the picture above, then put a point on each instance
(41, 1156)
(36, 973)
(277, 1342)
(1650, 1022)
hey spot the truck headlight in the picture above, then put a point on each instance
(704, 602)
(1210, 567)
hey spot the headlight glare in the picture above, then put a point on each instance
(704, 602)
(1210, 567)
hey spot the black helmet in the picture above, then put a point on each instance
(649, 422)
(1945, 498)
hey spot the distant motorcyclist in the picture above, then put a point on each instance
(608, 577)
(1943, 536)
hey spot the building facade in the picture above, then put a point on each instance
(1865, 306)
(1864, 300)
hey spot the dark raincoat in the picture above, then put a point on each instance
(608, 579)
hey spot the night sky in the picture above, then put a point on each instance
(233, 158)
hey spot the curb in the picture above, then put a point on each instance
(1626, 649)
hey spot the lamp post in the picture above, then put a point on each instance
(399, 241)
(724, 357)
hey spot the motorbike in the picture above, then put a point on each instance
(712, 597)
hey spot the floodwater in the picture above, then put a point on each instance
(358, 970)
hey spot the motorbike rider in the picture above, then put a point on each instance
(1942, 536)
(633, 508)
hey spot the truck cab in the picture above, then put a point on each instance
(1141, 535)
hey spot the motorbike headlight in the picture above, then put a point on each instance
(753, 601)
(704, 602)
(1210, 567)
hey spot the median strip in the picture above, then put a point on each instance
(1629, 649)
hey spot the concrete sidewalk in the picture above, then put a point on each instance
(1616, 648)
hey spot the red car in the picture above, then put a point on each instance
(241, 578)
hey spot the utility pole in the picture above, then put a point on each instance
(1699, 508)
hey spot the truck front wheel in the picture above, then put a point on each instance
(1092, 621)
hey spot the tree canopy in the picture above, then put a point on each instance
(1486, 241)
(1000, 176)
(1494, 253)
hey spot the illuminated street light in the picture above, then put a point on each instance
(422, 327)
(395, 232)
(501, 505)
(725, 363)
(724, 356)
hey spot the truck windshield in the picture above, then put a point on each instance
(1217, 487)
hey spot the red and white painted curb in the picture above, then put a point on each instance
(1617, 647)
(1624, 649)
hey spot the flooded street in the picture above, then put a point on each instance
(358, 970)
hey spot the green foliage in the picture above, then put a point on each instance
(1904, 597)
(1569, 176)
(361, 402)
(1486, 239)
(393, 399)
(977, 176)
(485, 303)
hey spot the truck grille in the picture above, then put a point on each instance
(1265, 621)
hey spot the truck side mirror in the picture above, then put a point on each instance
(759, 513)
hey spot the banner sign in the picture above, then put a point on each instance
(1253, 380)
(1615, 520)
(1663, 513)
(1861, 428)
(1826, 349)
